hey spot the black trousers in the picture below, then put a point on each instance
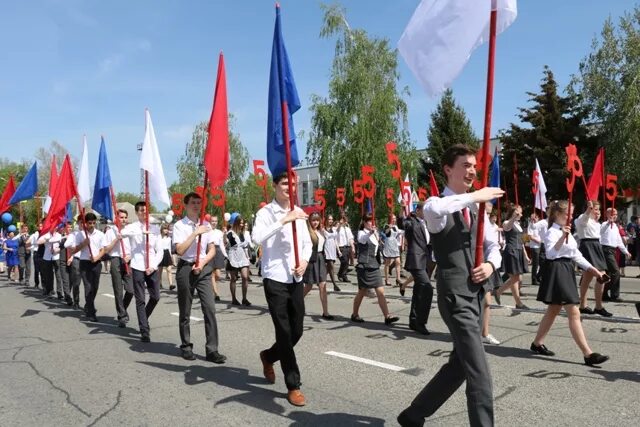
(150, 282)
(90, 274)
(421, 298)
(612, 289)
(24, 268)
(286, 306)
(344, 261)
(37, 265)
(535, 265)
(122, 286)
(65, 277)
(467, 362)
(49, 271)
(74, 279)
(188, 282)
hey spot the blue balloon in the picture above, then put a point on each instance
(7, 218)
(12, 228)
(233, 218)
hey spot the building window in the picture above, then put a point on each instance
(305, 193)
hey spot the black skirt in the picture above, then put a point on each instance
(368, 278)
(558, 284)
(217, 263)
(514, 262)
(167, 261)
(316, 271)
(591, 249)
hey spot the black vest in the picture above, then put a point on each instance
(368, 255)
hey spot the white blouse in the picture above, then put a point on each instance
(569, 249)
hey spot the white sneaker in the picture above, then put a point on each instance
(490, 339)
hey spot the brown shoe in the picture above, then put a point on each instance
(267, 368)
(296, 398)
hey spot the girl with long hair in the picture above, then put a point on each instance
(238, 260)
(316, 272)
(331, 249)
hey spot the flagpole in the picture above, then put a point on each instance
(487, 130)
(146, 219)
(515, 175)
(202, 212)
(119, 227)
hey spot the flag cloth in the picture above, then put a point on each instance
(433, 185)
(7, 194)
(151, 163)
(541, 197)
(216, 155)
(442, 34)
(494, 181)
(28, 187)
(53, 179)
(595, 180)
(65, 191)
(282, 94)
(84, 188)
(102, 188)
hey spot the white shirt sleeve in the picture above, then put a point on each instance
(436, 210)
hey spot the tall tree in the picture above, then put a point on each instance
(18, 170)
(449, 126)
(547, 127)
(608, 84)
(43, 157)
(190, 164)
(364, 110)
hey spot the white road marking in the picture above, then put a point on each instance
(109, 296)
(367, 361)
(195, 319)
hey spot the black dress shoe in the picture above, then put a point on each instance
(595, 359)
(586, 310)
(357, 319)
(419, 329)
(235, 302)
(122, 324)
(541, 349)
(187, 354)
(327, 317)
(60, 296)
(638, 308)
(93, 318)
(336, 288)
(216, 357)
(405, 421)
(145, 337)
(246, 303)
(76, 305)
(69, 302)
(172, 287)
(217, 298)
(391, 320)
(602, 312)
(402, 291)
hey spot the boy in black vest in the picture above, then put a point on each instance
(452, 223)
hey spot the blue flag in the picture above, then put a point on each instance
(282, 91)
(28, 187)
(102, 189)
(494, 181)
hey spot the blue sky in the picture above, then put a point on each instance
(74, 67)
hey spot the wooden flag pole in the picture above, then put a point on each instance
(146, 219)
(202, 212)
(479, 258)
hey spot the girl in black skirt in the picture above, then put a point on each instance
(368, 270)
(167, 259)
(558, 287)
(514, 257)
(588, 229)
(316, 272)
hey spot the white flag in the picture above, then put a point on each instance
(437, 42)
(150, 162)
(541, 197)
(84, 188)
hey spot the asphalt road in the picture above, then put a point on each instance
(57, 369)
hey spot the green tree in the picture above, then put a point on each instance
(548, 126)
(363, 111)
(18, 170)
(608, 85)
(43, 157)
(449, 126)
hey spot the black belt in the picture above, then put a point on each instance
(182, 262)
(590, 240)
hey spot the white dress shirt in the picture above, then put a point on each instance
(436, 210)
(532, 231)
(345, 236)
(569, 249)
(587, 227)
(217, 238)
(112, 234)
(96, 242)
(278, 259)
(137, 239)
(610, 236)
(366, 236)
(181, 232)
(321, 241)
(52, 246)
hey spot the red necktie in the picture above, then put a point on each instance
(467, 218)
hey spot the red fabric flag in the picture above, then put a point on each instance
(7, 194)
(53, 176)
(216, 155)
(595, 180)
(433, 185)
(64, 192)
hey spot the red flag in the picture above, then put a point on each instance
(7, 194)
(595, 180)
(216, 155)
(53, 176)
(433, 184)
(65, 191)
